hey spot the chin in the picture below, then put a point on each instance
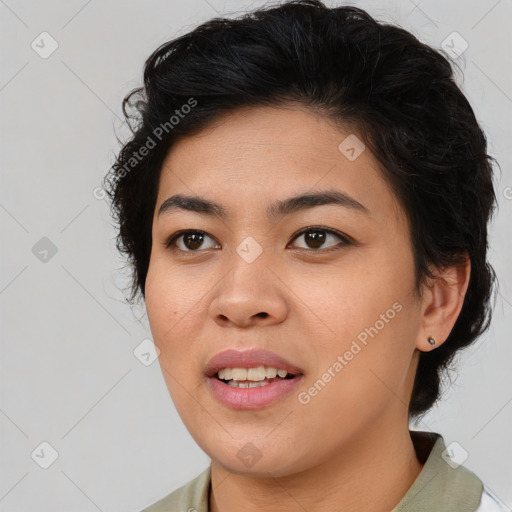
(248, 461)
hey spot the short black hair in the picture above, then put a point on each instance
(398, 94)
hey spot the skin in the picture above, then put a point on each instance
(349, 448)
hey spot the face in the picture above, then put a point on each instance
(325, 284)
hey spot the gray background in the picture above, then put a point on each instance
(68, 369)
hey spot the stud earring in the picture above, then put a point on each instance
(431, 340)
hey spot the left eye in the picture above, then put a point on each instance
(314, 238)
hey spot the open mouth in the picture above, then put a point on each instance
(253, 388)
(252, 377)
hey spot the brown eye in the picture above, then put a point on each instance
(315, 238)
(189, 241)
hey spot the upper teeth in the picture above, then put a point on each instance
(255, 374)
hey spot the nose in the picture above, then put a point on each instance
(250, 294)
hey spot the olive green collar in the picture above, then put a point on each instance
(439, 487)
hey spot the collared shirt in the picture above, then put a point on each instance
(441, 486)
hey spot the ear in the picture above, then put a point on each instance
(442, 302)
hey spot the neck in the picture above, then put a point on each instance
(372, 473)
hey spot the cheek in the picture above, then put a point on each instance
(159, 306)
(354, 295)
(171, 297)
(175, 307)
(166, 308)
(357, 384)
(370, 323)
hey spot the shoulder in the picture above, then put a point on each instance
(489, 503)
(191, 497)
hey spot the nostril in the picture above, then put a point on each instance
(262, 314)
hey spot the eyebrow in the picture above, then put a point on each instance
(274, 211)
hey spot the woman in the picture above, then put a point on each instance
(305, 202)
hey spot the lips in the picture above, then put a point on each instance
(251, 358)
(268, 393)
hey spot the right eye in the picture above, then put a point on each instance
(188, 240)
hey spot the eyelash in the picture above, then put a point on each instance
(171, 241)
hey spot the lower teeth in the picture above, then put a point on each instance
(247, 384)
(253, 384)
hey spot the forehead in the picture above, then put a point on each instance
(258, 155)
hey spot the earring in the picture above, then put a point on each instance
(431, 340)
